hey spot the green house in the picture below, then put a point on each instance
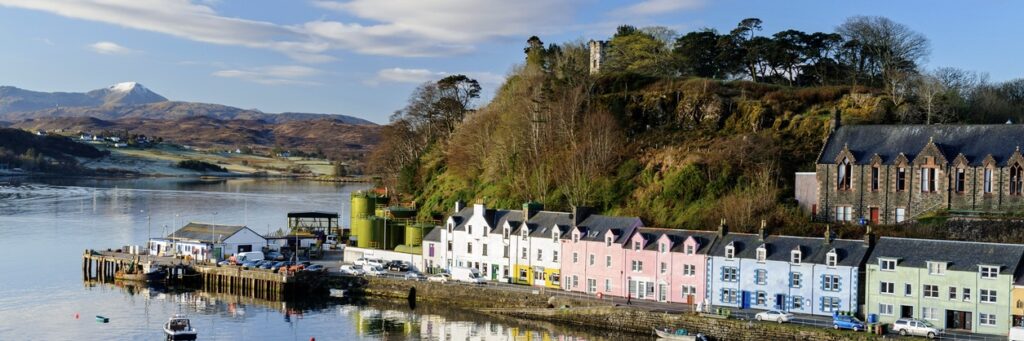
(955, 285)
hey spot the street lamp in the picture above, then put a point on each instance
(213, 237)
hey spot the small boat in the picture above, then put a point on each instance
(339, 293)
(678, 334)
(179, 328)
(102, 319)
(124, 276)
(156, 275)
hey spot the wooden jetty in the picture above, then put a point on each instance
(257, 283)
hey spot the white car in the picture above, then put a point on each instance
(370, 262)
(773, 315)
(375, 271)
(906, 326)
(442, 278)
(353, 270)
(414, 276)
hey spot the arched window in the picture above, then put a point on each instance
(1016, 182)
(843, 183)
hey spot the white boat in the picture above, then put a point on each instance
(679, 335)
(179, 328)
(339, 293)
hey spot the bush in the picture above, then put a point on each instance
(200, 166)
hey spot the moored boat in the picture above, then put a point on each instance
(339, 293)
(678, 335)
(179, 328)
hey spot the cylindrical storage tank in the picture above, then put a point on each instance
(414, 233)
(376, 239)
(362, 204)
(362, 229)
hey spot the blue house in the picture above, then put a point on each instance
(798, 274)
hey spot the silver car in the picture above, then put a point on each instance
(907, 326)
(773, 315)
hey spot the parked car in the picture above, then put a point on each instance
(468, 275)
(773, 315)
(415, 276)
(249, 264)
(243, 257)
(274, 255)
(847, 322)
(267, 264)
(375, 271)
(397, 265)
(315, 267)
(280, 265)
(225, 263)
(441, 277)
(908, 326)
(353, 270)
(370, 262)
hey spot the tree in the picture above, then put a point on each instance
(697, 53)
(884, 46)
(746, 28)
(635, 51)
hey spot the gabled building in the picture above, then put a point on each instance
(885, 174)
(539, 246)
(593, 256)
(955, 285)
(433, 252)
(205, 242)
(817, 276)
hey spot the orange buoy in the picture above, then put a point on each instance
(76, 316)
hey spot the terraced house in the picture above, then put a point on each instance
(954, 284)
(593, 256)
(803, 275)
(538, 243)
(667, 265)
(886, 174)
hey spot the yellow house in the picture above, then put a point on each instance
(1017, 305)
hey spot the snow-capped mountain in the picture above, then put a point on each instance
(126, 93)
(14, 99)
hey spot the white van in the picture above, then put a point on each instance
(468, 275)
(370, 262)
(243, 257)
(1017, 334)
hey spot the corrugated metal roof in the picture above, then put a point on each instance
(202, 232)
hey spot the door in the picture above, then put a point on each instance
(958, 320)
(745, 300)
(874, 215)
(662, 292)
(494, 272)
(906, 311)
(780, 302)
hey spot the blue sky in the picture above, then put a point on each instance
(364, 57)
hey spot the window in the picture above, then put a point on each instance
(608, 241)
(522, 274)
(554, 256)
(575, 281)
(987, 319)
(966, 294)
(689, 270)
(844, 213)
(636, 246)
(830, 304)
(689, 249)
(575, 238)
(1016, 179)
(484, 250)
(927, 180)
(843, 183)
(608, 261)
(504, 233)
(952, 293)
(929, 313)
(637, 266)
(762, 253)
(874, 178)
(794, 257)
(831, 259)
(607, 284)
(959, 183)
(989, 271)
(524, 236)
(591, 285)
(936, 268)
(729, 274)
(830, 283)
(908, 290)
(554, 236)
(761, 298)
(591, 259)
(524, 253)
(662, 247)
(469, 229)
(798, 302)
(664, 267)
(540, 255)
(931, 291)
(449, 245)
(901, 215)
(885, 309)
(729, 296)
(887, 264)
(575, 258)
(901, 179)
(887, 288)
(730, 251)
(761, 276)
(687, 290)
(987, 296)
(469, 248)
(988, 180)
(795, 279)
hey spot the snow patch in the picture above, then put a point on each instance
(124, 86)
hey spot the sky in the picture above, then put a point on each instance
(364, 57)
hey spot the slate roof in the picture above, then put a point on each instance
(975, 141)
(540, 224)
(706, 239)
(202, 232)
(851, 252)
(961, 255)
(595, 226)
(462, 217)
(434, 235)
(513, 217)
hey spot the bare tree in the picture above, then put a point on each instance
(892, 47)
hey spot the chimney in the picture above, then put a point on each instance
(760, 233)
(828, 234)
(459, 205)
(869, 237)
(579, 214)
(837, 119)
(479, 210)
(722, 230)
(531, 208)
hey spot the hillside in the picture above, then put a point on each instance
(21, 149)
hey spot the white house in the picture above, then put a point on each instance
(198, 239)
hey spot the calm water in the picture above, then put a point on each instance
(46, 224)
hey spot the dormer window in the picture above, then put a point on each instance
(504, 234)
(730, 251)
(887, 264)
(831, 259)
(469, 229)
(451, 227)
(937, 268)
(524, 233)
(608, 241)
(575, 237)
(554, 236)
(795, 256)
(486, 230)
(689, 249)
(663, 247)
(988, 271)
(636, 245)
(762, 253)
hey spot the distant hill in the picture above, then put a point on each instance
(13, 99)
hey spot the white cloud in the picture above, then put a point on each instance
(419, 76)
(107, 47)
(273, 75)
(649, 7)
(381, 27)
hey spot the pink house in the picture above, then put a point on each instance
(668, 265)
(593, 256)
(643, 263)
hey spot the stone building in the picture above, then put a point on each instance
(597, 53)
(885, 174)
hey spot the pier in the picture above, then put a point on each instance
(102, 266)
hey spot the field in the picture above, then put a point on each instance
(161, 160)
